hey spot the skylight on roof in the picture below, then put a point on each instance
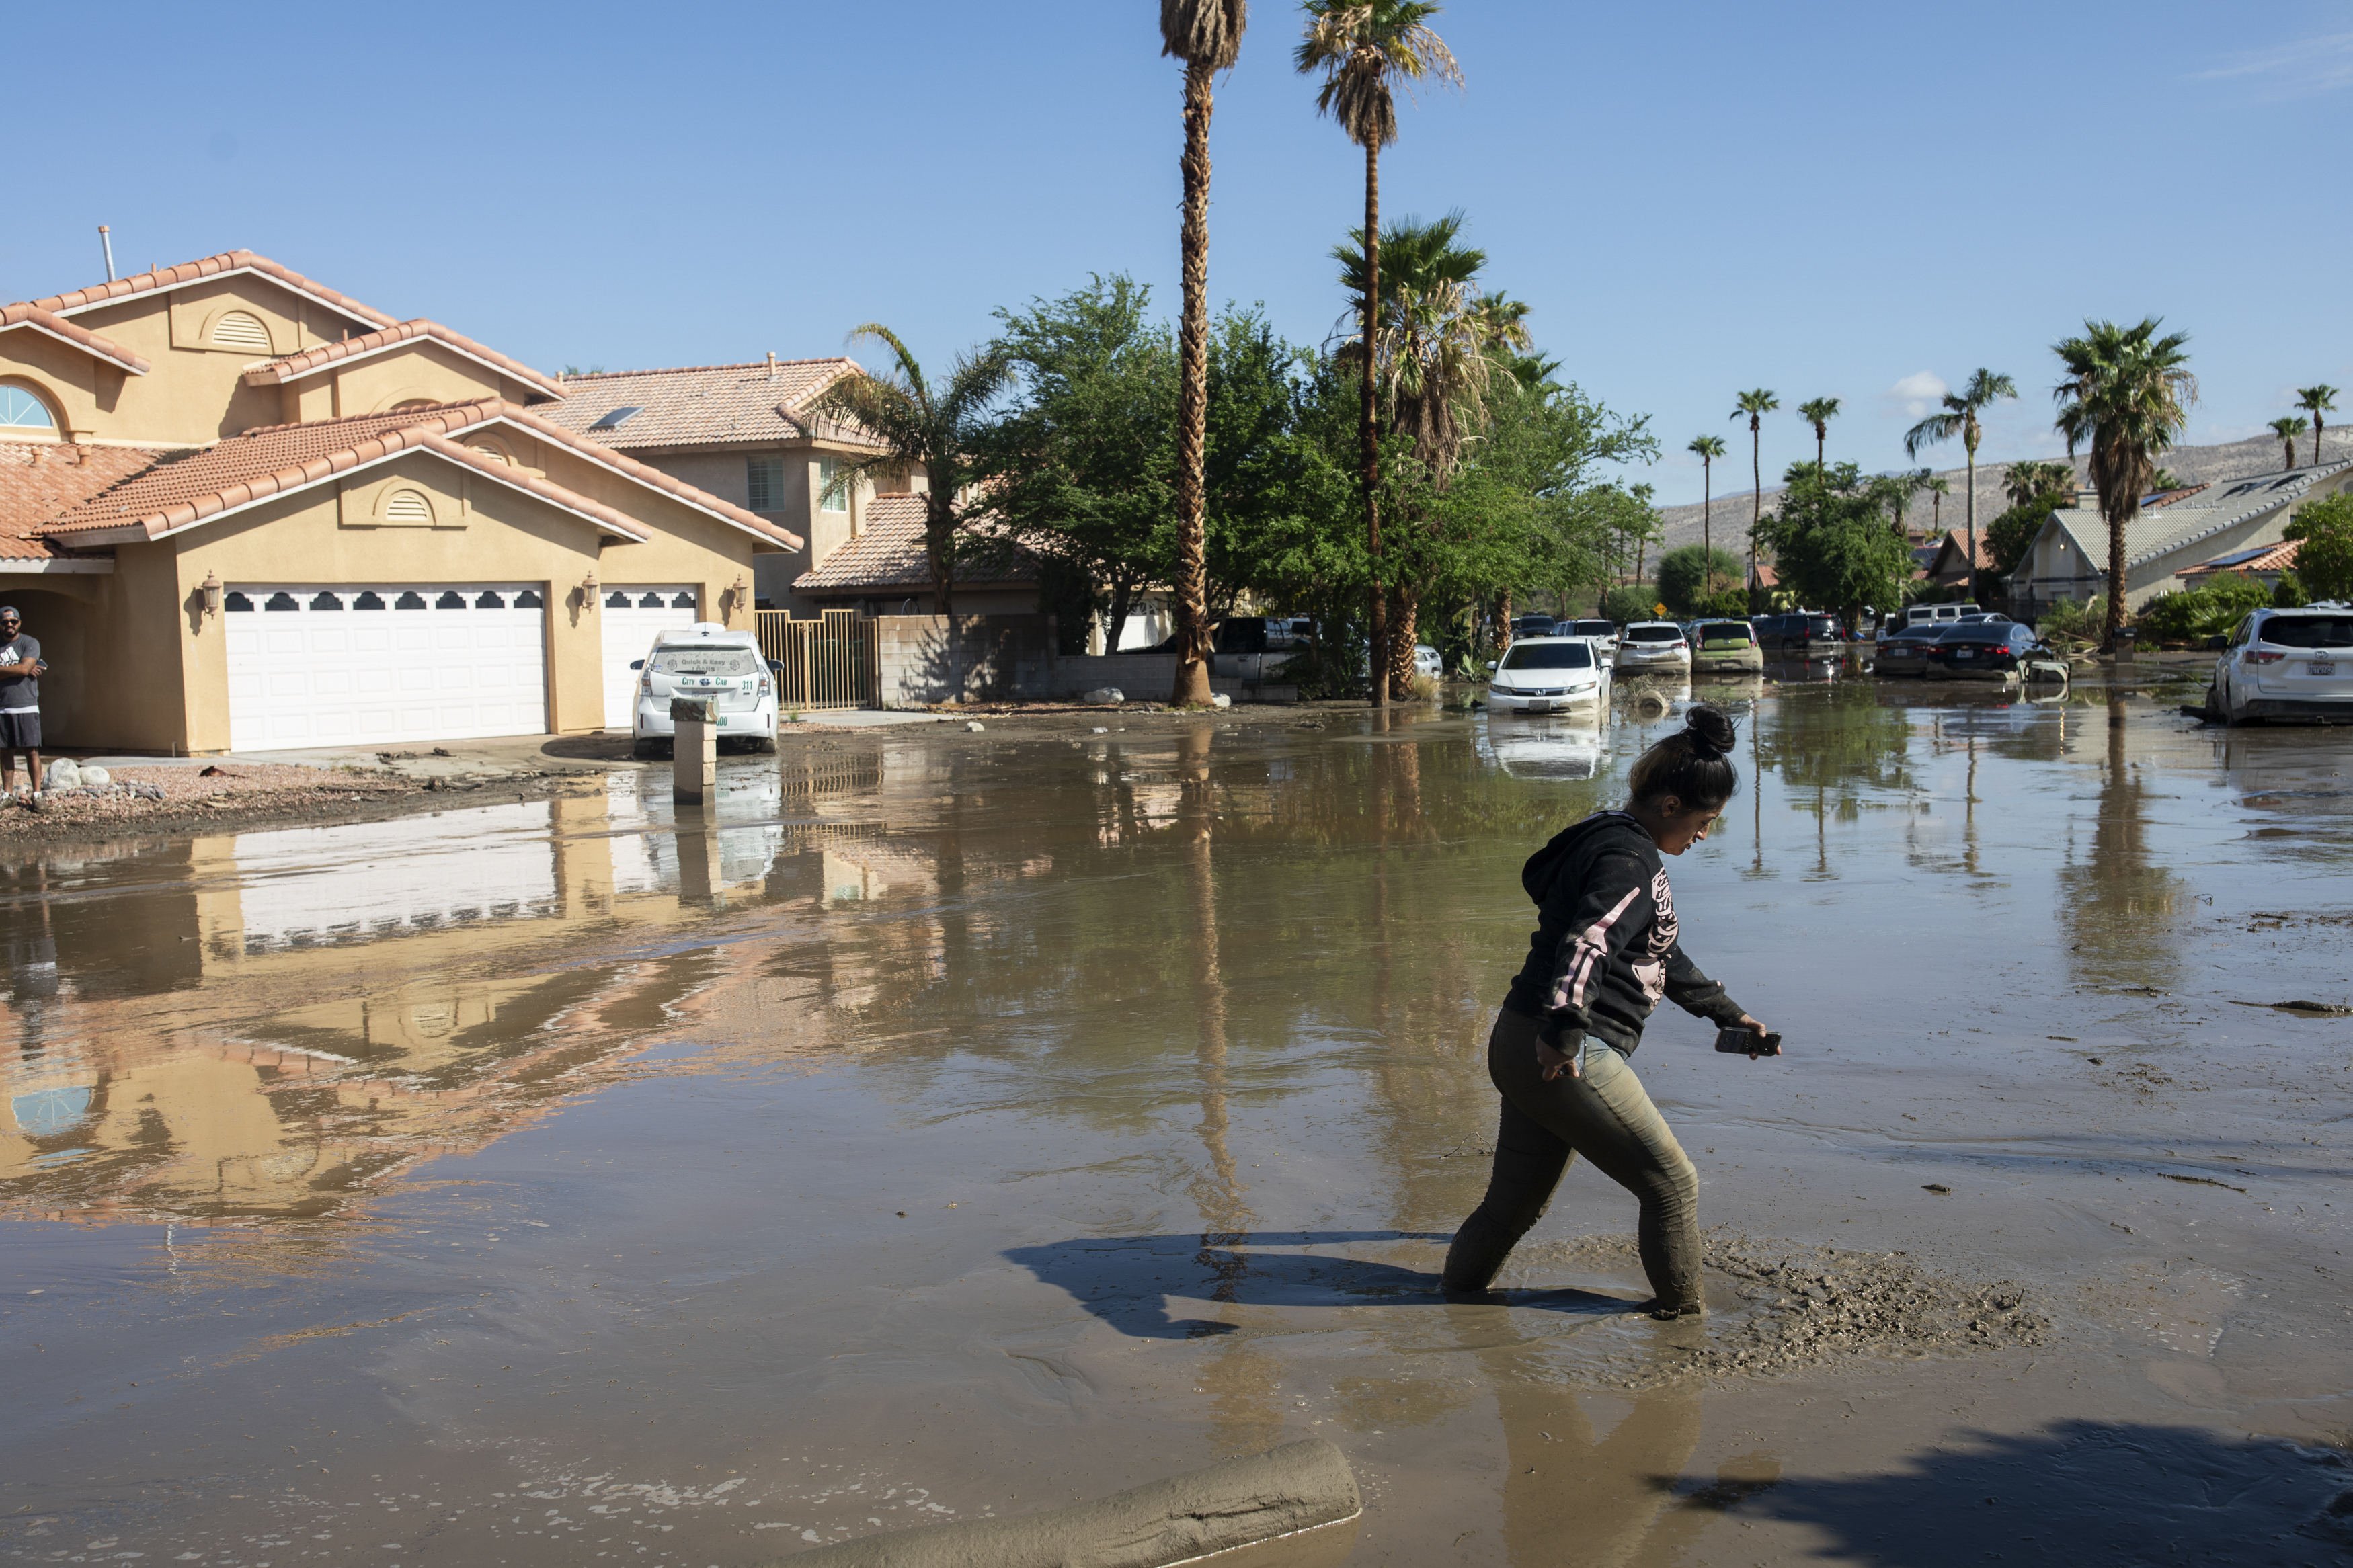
(613, 420)
(2236, 556)
(2241, 489)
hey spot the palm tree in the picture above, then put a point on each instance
(1756, 405)
(908, 420)
(1364, 49)
(1818, 413)
(1207, 35)
(2030, 481)
(1961, 418)
(1437, 349)
(1707, 448)
(2127, 395)
(2287, 430)
(2317, 401)
(1938, 487)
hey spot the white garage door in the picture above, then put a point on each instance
(417, 661)
(632, 615)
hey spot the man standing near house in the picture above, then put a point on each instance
(20, 701)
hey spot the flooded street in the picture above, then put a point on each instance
(951, 1124)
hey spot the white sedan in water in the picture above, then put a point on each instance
(1651, 646)
(1541, 675)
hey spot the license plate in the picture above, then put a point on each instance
(2322, 668)
(1540, 707)
(1963, 653)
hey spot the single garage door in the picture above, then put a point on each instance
(359, 664)
(632, 615)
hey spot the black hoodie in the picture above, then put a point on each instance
(1604, 949)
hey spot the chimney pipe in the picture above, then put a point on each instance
(106, 243)
(772, 365)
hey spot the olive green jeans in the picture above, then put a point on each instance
(1604, 1115)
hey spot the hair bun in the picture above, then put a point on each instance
(1711, 727)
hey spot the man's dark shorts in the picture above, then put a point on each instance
(20, 731)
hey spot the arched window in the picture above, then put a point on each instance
(408, 506)
(241, 329)
(21, 410)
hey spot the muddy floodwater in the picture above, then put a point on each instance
(950, 1124)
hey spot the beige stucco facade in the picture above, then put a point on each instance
(135, 642)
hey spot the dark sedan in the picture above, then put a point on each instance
(1907, 652)
(1981, 650)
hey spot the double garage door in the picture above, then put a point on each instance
(631, 616)
(361, 665)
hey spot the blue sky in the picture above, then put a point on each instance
(1836, 200)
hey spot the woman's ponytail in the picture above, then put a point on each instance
(1694, 764)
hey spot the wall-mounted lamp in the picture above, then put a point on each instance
(212, 594)
(588, 590)
(743, 595)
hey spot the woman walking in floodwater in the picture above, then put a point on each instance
(1604, 951)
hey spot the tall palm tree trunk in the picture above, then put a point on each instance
(1973, 523)
(1192, 685)
(1707, 527)
(1377, 665)
(1756, 494)
(1404, 616)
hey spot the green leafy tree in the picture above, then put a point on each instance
(2010, 535)
(2126, 396)
(1830, 542)
(2288, 594)
(2163, 481)
(1628, 603)
(1207, 35)
(1819, 412)
(2287, 428)
(1364, 49)
(2317, 401)
(913, 422)
(1687, 576)
(1959, 417)
(2324, 558)
(1753, 406)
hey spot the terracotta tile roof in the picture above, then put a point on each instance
(2278, 558)
(185, 488)
(48, 322)
(226, 262)
(294, 367)
(41, 479)
(889, 554)
(705, 405)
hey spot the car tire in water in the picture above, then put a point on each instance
(2214, 714)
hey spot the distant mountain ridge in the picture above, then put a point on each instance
(2193, 465)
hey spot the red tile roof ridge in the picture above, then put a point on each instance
(571, 376)
(489, 405)
(42, 319)
(292, 367)
(416, 436)
(209, 266)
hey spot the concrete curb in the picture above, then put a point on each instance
(1293, 1507)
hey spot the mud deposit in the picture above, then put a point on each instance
(952, 1123)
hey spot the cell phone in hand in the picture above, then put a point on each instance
(1745, 1042)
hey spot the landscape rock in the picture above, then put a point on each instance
(975, 725)
(1106, 696)
(95, 777)
(1221, 700)
(64, 773)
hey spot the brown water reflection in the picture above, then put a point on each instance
(951, 1105)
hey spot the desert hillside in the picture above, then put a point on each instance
(2196, 465)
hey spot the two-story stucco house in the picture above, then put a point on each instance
(241, 509)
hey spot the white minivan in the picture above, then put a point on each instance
(705, 659)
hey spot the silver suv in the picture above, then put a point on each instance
(2286, 664)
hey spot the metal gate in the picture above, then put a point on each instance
(829, 662)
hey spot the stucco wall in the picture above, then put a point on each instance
(159, 673)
